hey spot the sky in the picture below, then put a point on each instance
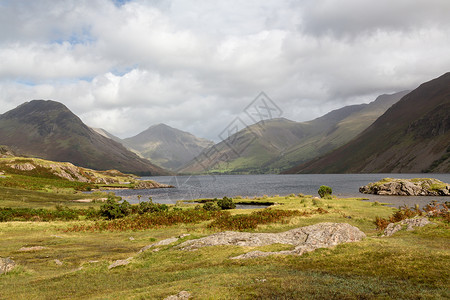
(199, 65)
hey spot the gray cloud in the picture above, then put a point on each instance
(196, 65)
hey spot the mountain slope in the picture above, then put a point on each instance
(49, 130)
(166, 146)
(412, 136)
(279, 144)
(106, 134)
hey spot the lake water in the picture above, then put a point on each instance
(219, 186)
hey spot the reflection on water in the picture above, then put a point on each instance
(209, 186)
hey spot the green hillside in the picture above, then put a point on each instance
(412, 136)
(279, 144)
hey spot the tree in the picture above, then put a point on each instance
(226, 203)
(324, 191)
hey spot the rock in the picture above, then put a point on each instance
(150, 184)
(305, 239)
(120, 262)
(58, 262)
(407, 187)
(410, 225)
(22, 167)
(6, 265)
(34, 248)
(163, 243)
(183, 295)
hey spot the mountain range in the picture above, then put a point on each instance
(49, 130)
(401, 132)
(271, 146)
(413, 136)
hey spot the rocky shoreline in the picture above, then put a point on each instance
(407, 187)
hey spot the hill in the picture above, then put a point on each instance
(412, 136)
(166, 146)
(49, 130)
(275, 145)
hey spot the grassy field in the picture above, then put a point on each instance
(408, 265)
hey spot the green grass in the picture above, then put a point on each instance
(16, 198)
(408, 265)
(43, 184)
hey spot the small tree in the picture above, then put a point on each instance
(111, 209)
(325, 191)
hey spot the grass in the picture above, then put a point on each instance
(20, 198)
(408, 265)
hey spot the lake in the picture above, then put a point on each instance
(218, 186)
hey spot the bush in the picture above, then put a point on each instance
(226, 203)
(325, 191)
(211, 206)
(432, 210)
(149, 207)
(149, 220)
(111, 209)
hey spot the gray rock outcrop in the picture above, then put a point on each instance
(163, 242)
(304, 239)
(407, 187)
(409, 223)
(120, 262)
(6, 265)
(33, 248)
(183, 295)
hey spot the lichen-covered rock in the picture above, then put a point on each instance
(150, 184)
(183, 295)
(163, 242)
(410, 224)
(120, 262)
(407, 187)
(6, 265)
(33, 248)
(305, 239)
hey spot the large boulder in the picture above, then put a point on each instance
(305, 239)
(407, 187)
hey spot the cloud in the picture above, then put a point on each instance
(126, 65)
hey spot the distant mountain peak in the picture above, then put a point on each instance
(48, 129)
(167, 146)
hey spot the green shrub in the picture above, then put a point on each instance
(111, 209)
(149, 220)
(226, 203)
(211, 206)
(324, 191)
(146, 207)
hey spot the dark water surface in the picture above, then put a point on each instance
(218, 186)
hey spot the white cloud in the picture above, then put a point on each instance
(195, 65)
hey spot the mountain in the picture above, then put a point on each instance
(49, 130)
(275, 145)
(412, 136)
(105, 133)
(166, 146)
